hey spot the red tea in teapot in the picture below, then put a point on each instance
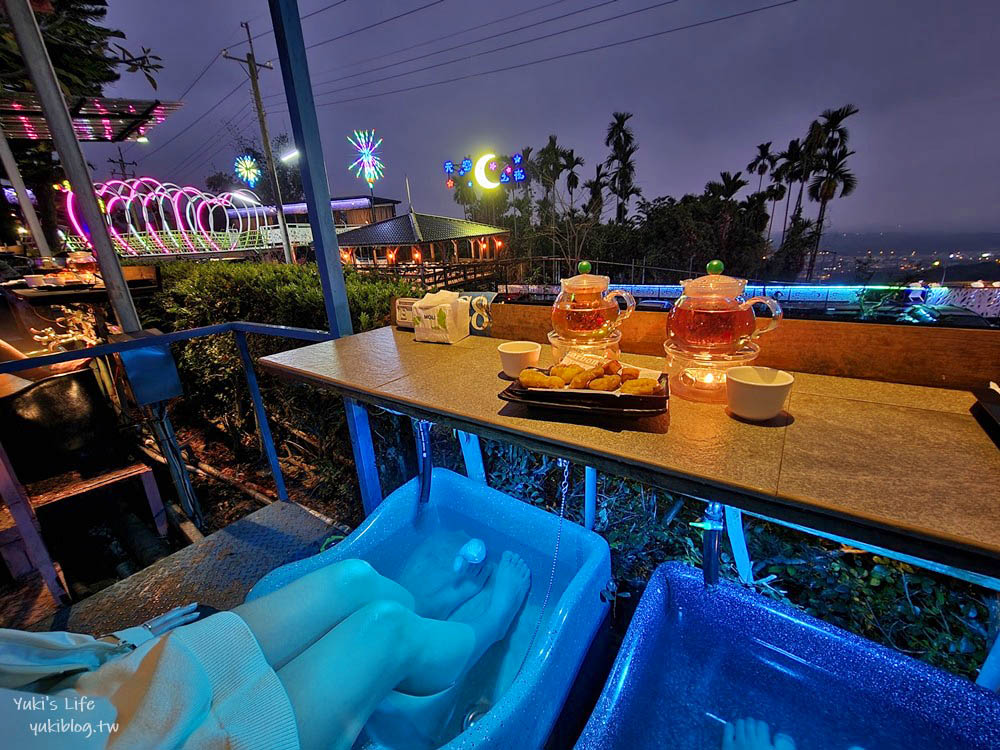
(711, 330)
(586, 322)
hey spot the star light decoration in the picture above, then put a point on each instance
(368, 164)
(247, 169)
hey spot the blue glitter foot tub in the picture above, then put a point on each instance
(511, 698)
(694, 659)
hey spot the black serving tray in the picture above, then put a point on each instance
(609, 404)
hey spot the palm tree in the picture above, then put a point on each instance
(811, 151)
(570, 162)
(831, 175)
(621, 161)
(595, 187)
(833, 125)
(787, 171)
(729, 186)
(762, 163)
(775, 192)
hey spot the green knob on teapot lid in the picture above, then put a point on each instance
(583, 266)
(715, 267)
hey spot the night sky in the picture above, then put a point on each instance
(923, 72)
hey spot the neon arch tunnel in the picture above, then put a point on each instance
(149, 217)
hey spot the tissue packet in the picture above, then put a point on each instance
(441, 317)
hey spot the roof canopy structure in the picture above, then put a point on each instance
(415, 229)
(94, 118)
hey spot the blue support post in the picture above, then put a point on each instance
(305, 130)
(263, 429)
(473, 455)
(589, 497)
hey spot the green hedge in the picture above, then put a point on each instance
(199, 294)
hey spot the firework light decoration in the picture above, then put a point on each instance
(247, 169)
(368, 164)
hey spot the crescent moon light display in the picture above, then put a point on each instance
(486, 167)
(480, 172)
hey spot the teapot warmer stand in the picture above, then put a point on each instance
(701, 376)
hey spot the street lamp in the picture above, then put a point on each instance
(290, 156)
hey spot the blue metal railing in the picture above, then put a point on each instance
(239, 328)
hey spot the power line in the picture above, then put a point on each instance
(372, 25)
(450, 49)
(211, 139)
(438, 39)
(200, 75)
(310, 14)
(560, 56)
(503, 47)
(316, 44)
(196, 120)
(193, 83)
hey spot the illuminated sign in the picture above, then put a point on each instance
(487, 171)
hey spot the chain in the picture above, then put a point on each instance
(563, 495)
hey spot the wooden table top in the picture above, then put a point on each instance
(898, 466)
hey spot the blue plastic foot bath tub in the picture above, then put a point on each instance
(511, 698)
(694, 658)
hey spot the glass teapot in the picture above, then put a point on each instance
(711, 316)
(585, 310)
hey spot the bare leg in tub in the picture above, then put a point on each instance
(289, 620)
(337, 682)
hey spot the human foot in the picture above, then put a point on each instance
(750, 734)
(510, 584)
(430, 576)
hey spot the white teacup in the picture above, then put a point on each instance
(757, 393)
(516, 355)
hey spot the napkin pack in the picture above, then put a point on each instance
(441, 317)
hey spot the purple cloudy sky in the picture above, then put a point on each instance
(923, 72)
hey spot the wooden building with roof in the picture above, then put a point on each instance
(422, 238)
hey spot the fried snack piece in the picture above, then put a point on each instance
(530, 378)
(629, 373)
(566, 372)
(612, 367)
(641, 387)
(583, 379)
(554, 381)
(605, 383)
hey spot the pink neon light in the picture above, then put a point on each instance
(195, 217)
(204, 229)
(71, 211)
(111, 226)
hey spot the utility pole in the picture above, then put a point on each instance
(252, 66)
(122, 165)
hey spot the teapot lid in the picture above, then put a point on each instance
(586, 281)
(714, 283)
